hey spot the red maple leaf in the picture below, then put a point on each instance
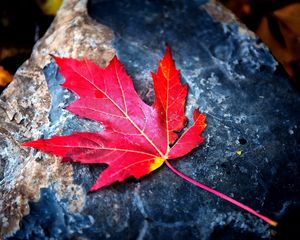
(137, 138)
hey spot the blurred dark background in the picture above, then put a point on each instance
(22, 23)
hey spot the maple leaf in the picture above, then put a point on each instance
(138, 138)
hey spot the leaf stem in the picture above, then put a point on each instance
(221, 195)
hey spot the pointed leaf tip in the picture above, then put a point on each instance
(56, 58)
(168, 50)
(196, 113)
(34, 143)
(199, 117)
(94, 188)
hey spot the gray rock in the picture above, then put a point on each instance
(250, 107)
(25, 113)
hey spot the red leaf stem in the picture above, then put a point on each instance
(221, 195)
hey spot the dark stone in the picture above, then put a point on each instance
(250, 107)
(48, 219)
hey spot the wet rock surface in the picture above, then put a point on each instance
(251, 151)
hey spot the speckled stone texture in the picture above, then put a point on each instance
(251, 109)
